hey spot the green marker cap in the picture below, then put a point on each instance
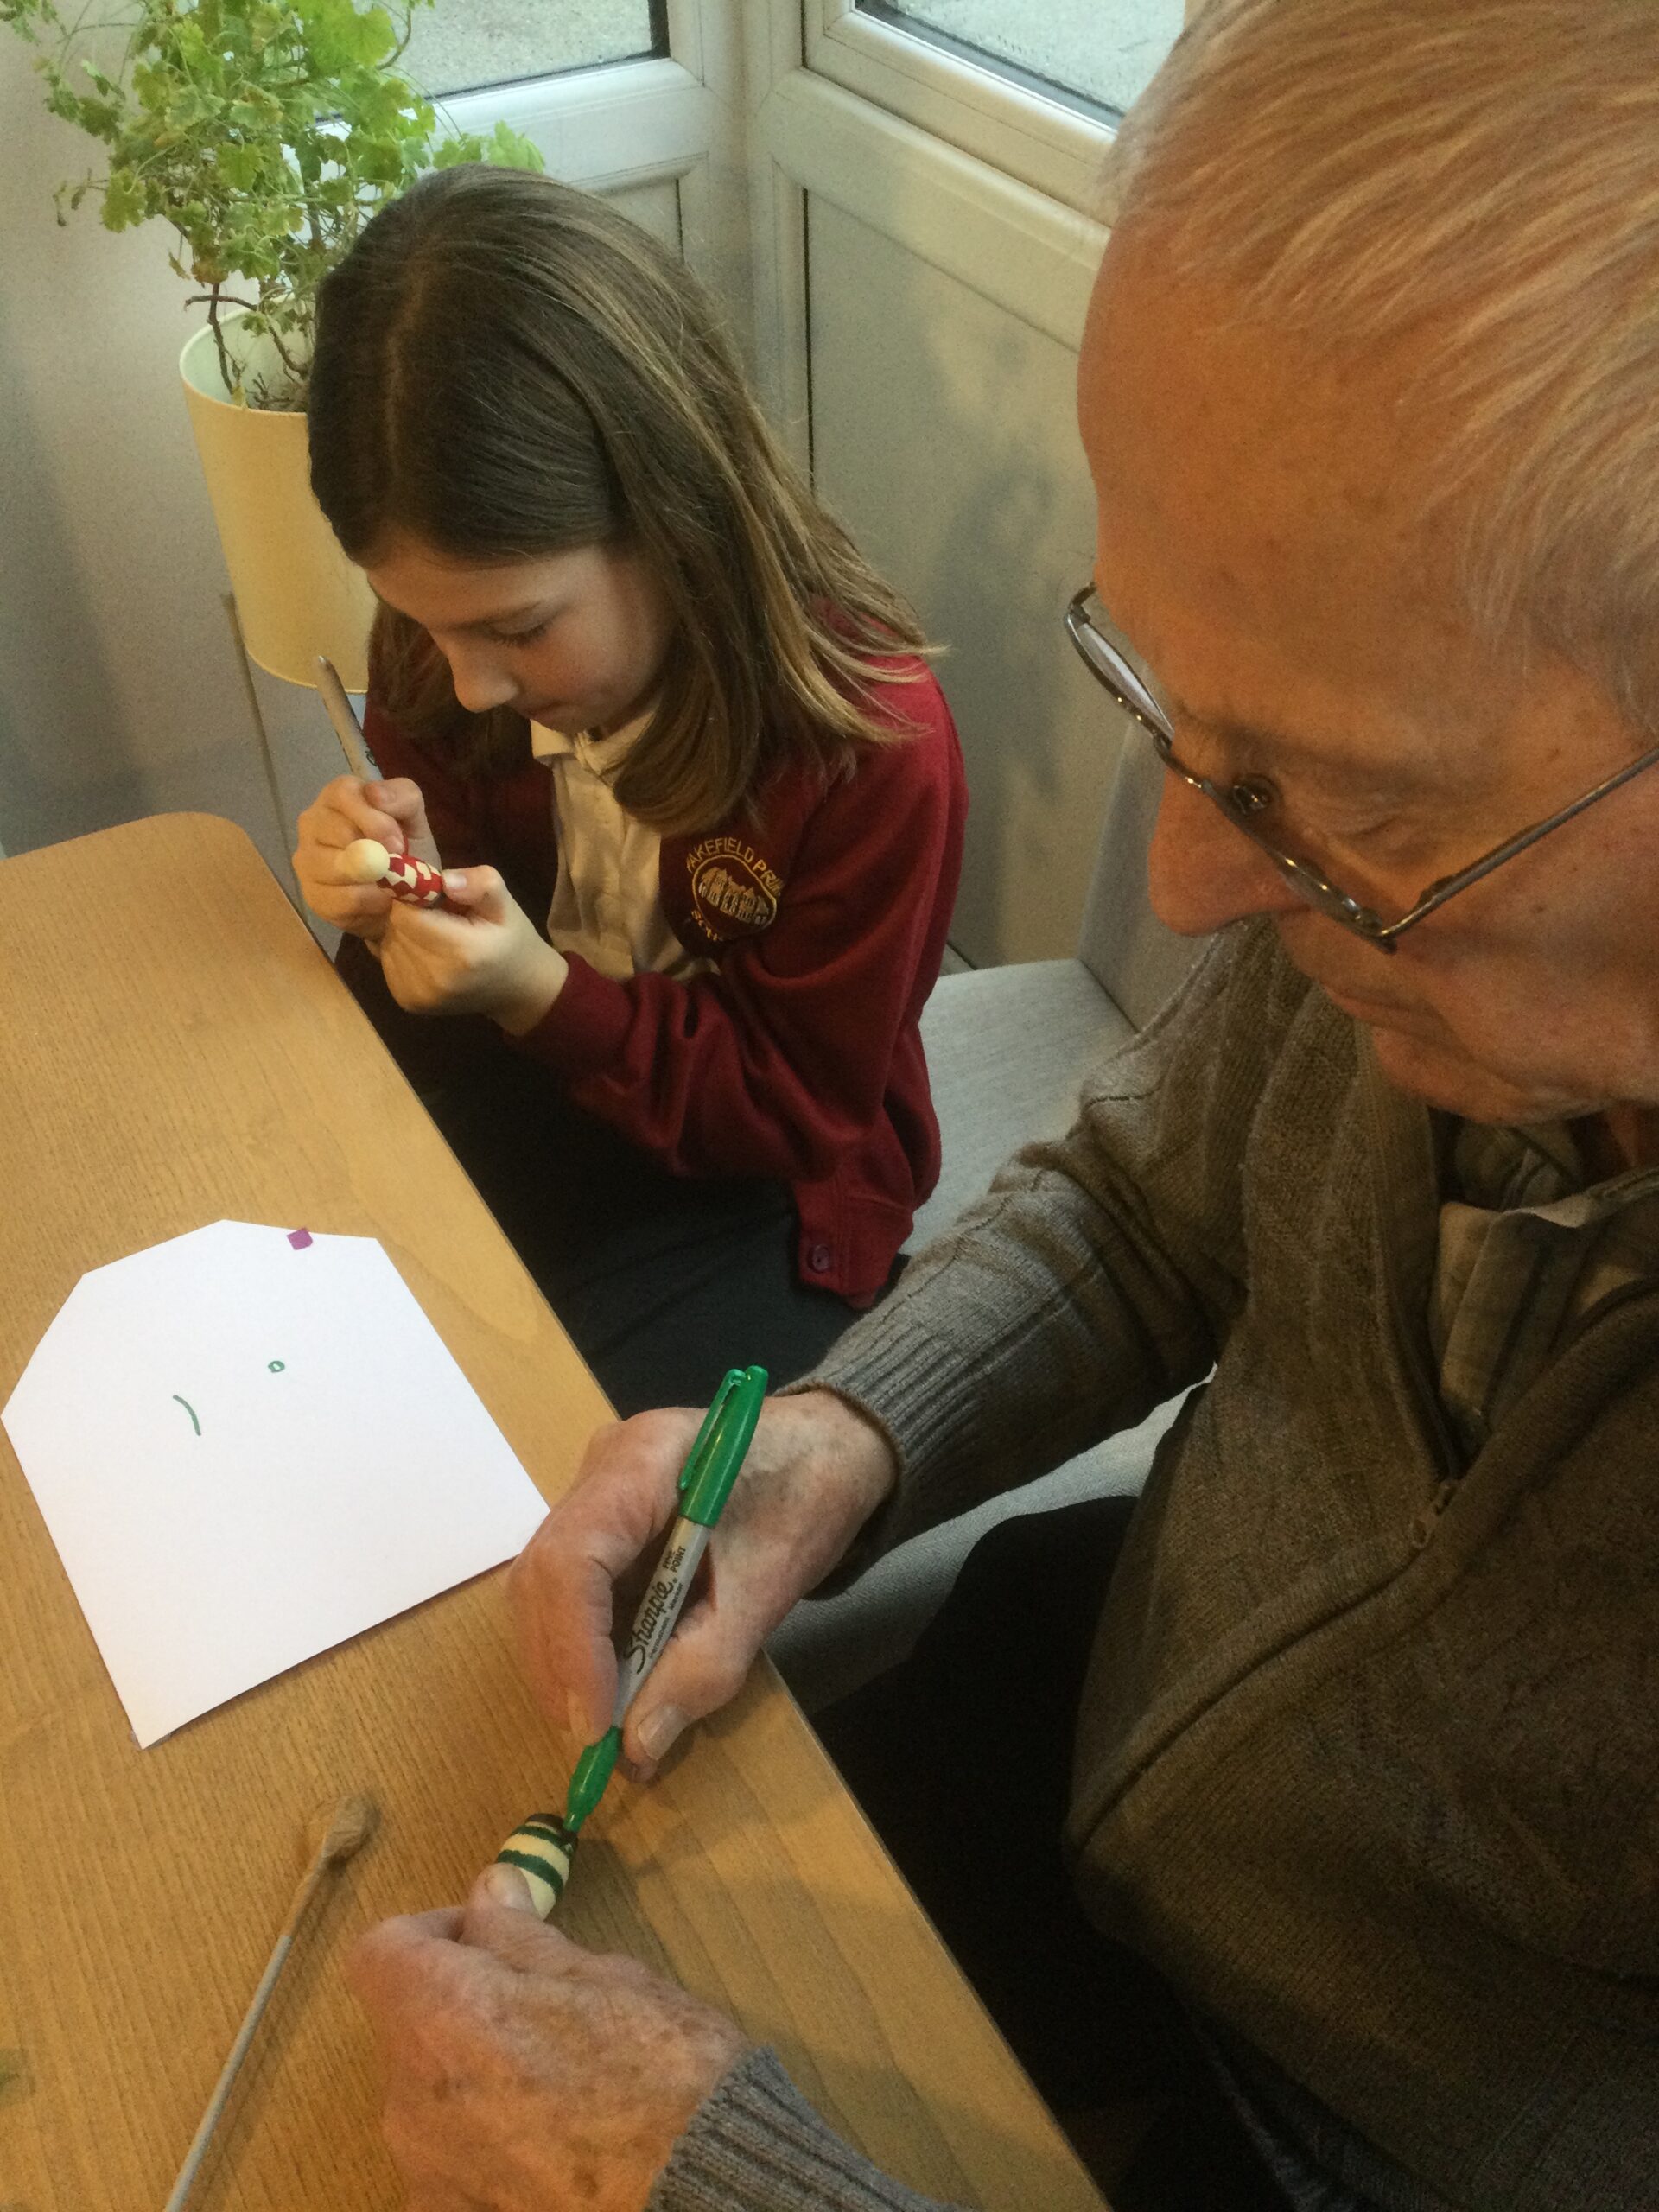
(705, 1482)
(593, 1772)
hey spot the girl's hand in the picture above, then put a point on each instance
(487, 958)
(393, 813)
(814, 1473)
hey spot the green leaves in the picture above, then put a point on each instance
(26, 14)
(123, 202)
(265, 131)
(337, 36)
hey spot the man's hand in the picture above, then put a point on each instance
(489, 958)
(521, 2073)
(393, 813)
(814, 1473)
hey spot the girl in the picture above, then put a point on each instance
(699, 804)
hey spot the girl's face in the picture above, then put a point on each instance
(575, 640)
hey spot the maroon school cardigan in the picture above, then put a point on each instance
(799, 1055)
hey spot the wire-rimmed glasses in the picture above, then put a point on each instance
(1244, 803)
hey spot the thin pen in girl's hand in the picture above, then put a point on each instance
(346, 728)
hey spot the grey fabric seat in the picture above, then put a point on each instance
(1007, 1051)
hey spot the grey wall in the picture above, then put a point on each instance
(119, 690)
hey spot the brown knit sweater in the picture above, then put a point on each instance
(1369, 1758)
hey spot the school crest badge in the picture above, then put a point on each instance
(734, 889)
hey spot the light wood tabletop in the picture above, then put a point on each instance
(178, 1051)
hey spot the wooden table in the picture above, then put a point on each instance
(178, 1051)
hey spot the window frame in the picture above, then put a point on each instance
(1054, 145)
(674, 119)
(660, 34)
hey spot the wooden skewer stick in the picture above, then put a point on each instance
(350, 1826)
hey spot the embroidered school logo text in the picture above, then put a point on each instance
(734, 889)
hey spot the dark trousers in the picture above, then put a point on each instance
(962, 1758)
(661, 1283)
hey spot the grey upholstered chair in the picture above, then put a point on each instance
(1007, 1049)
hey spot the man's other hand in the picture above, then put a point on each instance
(521, 2073)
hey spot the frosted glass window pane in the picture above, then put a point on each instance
(456, 46)
(1106, 50)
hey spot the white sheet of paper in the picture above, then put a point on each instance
(246, 1452)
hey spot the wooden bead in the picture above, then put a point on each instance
(542, 1849)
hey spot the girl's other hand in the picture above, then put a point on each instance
(393, 812)
(478, 953)
(815, 1471)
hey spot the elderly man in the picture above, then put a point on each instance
(1366, 1697)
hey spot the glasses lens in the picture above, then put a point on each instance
(1110, 656)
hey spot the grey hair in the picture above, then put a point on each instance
(1354, 168)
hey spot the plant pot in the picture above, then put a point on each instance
(296, 593)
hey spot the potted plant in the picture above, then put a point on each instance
(266, 133)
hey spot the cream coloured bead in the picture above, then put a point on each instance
(365, 861)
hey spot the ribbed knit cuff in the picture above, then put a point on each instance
(585, 1027)
(757, 2145)
(920, 1389)
(918, 1393)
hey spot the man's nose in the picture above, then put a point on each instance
(1202, 873)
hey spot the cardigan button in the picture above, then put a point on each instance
(820, 1259)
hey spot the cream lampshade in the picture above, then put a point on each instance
(296, 593)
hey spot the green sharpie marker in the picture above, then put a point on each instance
(543, 1848)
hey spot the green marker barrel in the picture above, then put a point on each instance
(542, 1850)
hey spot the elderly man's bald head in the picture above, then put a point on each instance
(1488, 170)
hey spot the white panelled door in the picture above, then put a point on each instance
(926, 231)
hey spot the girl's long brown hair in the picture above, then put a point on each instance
(507, 368)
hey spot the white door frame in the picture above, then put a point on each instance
(818, 128)
(760, 101)
(1043, 142)
(675, 120)
(978, 180)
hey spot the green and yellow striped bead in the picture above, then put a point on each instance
(541, 1848)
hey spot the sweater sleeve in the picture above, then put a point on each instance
(757, 2145)
(1097, 1277)
(775, 1063)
